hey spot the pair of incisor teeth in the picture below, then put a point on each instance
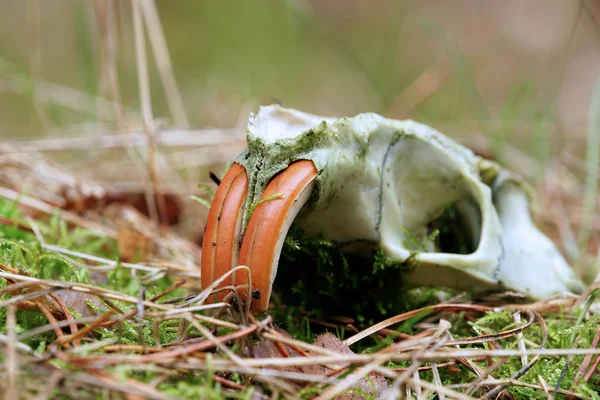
(263, 238)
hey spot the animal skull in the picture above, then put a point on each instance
(373, 183)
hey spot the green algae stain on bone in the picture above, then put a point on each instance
(263, 161)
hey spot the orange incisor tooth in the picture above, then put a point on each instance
(268, 226)
(223, 225)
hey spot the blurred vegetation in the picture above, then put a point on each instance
(512, 74)
(513, 79)
(506, 69)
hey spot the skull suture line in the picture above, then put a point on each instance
(373, 183)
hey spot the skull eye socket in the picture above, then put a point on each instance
(432, 196)
(458, 229)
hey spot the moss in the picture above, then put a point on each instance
(323, 282)
(20, 249)
(314, 275)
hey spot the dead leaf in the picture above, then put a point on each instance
(78, 302)
(134, 245)
(373, 384)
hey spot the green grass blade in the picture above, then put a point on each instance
(592, 161)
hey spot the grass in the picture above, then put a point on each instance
(158, 349)
(88, 319)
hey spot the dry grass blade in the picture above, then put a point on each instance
(589, 364)
(163, 357)
(100, 292)
(443, 354)
(11, 362)
(445, 390)
(127, 387)
(85, 288)
(90, 328)
(134, 138)
(513, 382)
(544, 386)
(156, 208)
(70, 98)
(223, 332)
(8, 222)
(49, 209)
(28, 296)
(414, 313)
(163, 61)
(437, 380)
(351, 380)
(142, 67)
(105, 15)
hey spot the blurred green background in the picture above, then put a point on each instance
(501, 68)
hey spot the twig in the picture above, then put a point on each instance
(411, 314)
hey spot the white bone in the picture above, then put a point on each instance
(382, 183)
